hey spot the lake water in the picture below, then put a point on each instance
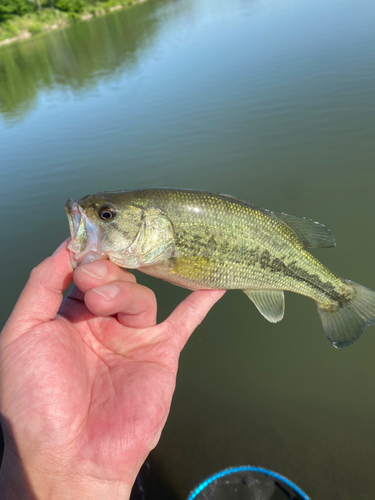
(270, 101)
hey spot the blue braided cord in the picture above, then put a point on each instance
(242, 469)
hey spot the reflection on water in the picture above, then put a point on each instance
(268, 101)
(77, 57)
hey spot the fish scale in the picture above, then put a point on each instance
(202, 240)
(232, 224)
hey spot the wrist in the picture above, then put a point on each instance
(22, 482)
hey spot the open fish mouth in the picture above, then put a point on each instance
(84, 245)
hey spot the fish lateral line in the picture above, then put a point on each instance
(205, 240)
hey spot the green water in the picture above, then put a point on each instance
(272, 102)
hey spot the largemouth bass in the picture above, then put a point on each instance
(201, 240)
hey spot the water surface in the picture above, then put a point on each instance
(269, 101)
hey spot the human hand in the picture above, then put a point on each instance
(86, 382)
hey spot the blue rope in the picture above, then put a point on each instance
(232, 470)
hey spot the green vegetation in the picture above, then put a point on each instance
(72, 61)
(23, 18)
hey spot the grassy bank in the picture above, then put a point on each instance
(24, 26)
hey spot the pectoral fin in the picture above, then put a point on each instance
(270, 303)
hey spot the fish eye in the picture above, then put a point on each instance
(107, 213)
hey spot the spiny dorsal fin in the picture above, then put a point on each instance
(270, 303)
(313, 234)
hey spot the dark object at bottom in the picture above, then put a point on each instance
(247, 483)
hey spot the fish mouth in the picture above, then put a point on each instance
(84, 245)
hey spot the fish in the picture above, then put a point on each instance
(207, 240)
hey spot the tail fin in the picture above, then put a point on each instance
(345, 325)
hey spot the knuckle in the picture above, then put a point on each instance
(150, 297)
(197, 314)
(169, 329)
(34, 272)
(37, 271)
(129, 276)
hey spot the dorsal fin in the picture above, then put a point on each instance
(313, 234)
(270, 303)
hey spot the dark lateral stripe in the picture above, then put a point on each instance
(299, 274)
(254, 257)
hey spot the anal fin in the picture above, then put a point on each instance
(270, 303)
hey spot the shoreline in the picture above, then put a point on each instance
(86, 16)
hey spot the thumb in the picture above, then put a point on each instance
(190, 313)
(43, 293)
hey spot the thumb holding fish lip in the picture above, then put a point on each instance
(42, 295)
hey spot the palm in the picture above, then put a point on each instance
(96, 383)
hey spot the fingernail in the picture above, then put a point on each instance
(95, 270)
(109, 292)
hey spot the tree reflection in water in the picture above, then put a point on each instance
(77, 57)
